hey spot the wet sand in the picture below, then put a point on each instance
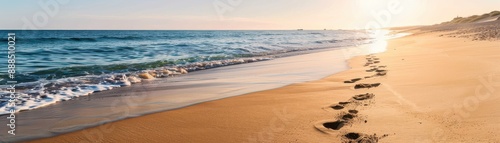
(424, 88)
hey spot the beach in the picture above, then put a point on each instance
(149, 73)
(236, 71)
(433, 86)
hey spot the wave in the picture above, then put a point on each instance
(272, 34)
(74, 71)
(75, 39)
(316, 33)
(343, 40)
(41, 93)
(104, 38)
(122, 38)
(64, 83)
(182, 45)
(82, 39)
(327, 41)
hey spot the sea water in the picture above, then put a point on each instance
(59, 65)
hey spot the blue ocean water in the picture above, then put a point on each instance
(60, 65)
(53, 54)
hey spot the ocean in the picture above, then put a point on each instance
(59, 65)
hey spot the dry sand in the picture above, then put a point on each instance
(436, 89)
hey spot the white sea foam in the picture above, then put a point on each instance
(41, 93)
(25, 101)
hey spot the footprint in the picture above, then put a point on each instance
(337, 107)
(344, 103)
(381, 73)
(371, 70)
(353, 111)
(363, 96)
(329, 125)
(334, 125)
(352, 80)
(353, 137)
(348, 116)
(364, 85)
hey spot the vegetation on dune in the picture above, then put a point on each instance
(474, 18)
(495, 13)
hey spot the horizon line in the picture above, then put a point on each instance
(187, 29)
(325, 29)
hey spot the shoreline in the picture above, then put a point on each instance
(351, 51)
(54, 83)
(55, 123)
(409, 105)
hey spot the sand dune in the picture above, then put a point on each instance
(475, 18)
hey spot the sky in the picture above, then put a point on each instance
(233, 14)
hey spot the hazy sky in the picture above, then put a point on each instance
(231, 14)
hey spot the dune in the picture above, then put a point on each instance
(487, 17)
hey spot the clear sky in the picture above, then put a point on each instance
(231, 14)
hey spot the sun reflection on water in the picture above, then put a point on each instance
(381, 38)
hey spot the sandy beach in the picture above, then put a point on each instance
(162, 94)
(250, 71)
(433, 86)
